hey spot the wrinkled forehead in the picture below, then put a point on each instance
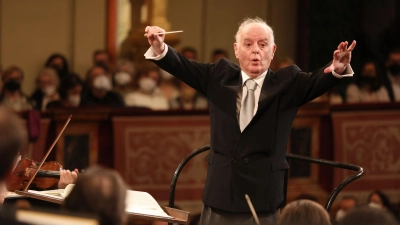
(255, 31)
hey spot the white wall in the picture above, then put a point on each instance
(31, 30)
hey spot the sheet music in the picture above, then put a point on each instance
(143, 203)
(55, 194)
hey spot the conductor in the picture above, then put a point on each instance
(251, 112)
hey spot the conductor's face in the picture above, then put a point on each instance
(254, 49)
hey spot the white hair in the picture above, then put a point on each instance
(47, 71)
(256, 20)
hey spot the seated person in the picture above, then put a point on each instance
(218, 53)
(12, 138)
(346, 204)
(12, 97)
(60, 64)
(189, 99)
(99, 89)
(377, 199)
(368, 216)
(148, 93)
(368, 87)
(101, 192)
(47, 85)
(304, 212)
(124, 77)
(70, 93)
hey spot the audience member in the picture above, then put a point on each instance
(189, 52)
(101, 192)
(60, 64)
(12, 96)
(368, 87)
(217, 54)
(70, 93)
(12, 138)
(368, 216)
(124, 77)
(346, 204)
(304, 212)
(189, 99)
(148, 93)
(47, 87)
(377, 199)
(99, 92)
(103, 57)
(393, 74)
(284, 62)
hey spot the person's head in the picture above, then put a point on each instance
(284, 62)
(255, 46)
(304, 212)
(148, 79)
(189, 53)
(71, 90)
(124, 72)
(59, 63)
(102, 57)
(393, 62)
(378, 199)
(218, 53)
(368, 216)
(99, 80)
(346, 204)
(368, 76)
(101, 192)
(12, 79)
(12, 138)
(48, 81)
(186, 92)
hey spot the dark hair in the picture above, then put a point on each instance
(12, 137)
(69, 82)
(189, 49)
(379, 76)
(219, 51)
(101, 192)
(366, 215)
(304, 212)
(62, 72)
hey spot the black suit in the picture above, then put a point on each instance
(253, 161)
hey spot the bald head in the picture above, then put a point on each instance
(256, 20)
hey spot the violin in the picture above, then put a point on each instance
(47, 176)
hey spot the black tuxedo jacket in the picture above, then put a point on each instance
(251, 162)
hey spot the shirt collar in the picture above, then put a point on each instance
(259, 80)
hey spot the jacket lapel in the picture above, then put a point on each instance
(234, 86)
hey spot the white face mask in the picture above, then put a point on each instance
(122, 78)
(49, 90)
(340, 214)
(102, 82)
(74, 100)
(147, 84)
(374, 205)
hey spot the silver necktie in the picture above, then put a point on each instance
(247, 109)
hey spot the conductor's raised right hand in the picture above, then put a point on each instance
(155, 39)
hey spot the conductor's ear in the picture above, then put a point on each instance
(236, 48)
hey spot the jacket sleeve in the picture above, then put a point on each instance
(192, 73)
(308, 86)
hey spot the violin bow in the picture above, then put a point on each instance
(48, 152)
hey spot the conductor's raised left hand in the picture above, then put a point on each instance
(341, 58)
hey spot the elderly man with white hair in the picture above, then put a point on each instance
(251, 111)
